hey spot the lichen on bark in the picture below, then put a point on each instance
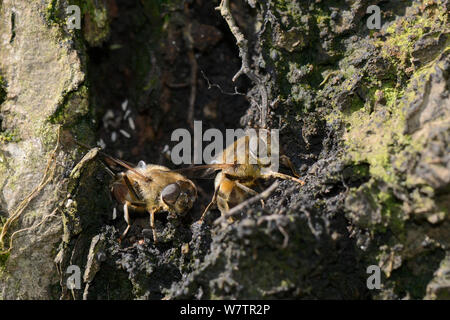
(40, 63)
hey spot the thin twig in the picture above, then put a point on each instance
(194, 67)
(275, 218)
(242, 44)
(176, 85)
(315, 232)
(47, 177)
(53, 214)
(211, 85)
(263, 195)
(285, 235)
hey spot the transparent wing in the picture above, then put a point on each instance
(207, 171)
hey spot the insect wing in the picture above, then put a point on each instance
(207, 171)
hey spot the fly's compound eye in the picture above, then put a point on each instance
(170, 194)
(186, 199)
(187, 188)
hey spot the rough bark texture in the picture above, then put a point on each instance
(363, 114)
(42, 72)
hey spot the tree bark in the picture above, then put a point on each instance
(364, 115)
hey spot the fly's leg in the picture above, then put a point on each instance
(136, 205)
(282, 176)
(218, 184)
(123, 190)
(246, 189)
(213, 201)
(126, 216)
(288, 163)
(249, 191)
(152, 225)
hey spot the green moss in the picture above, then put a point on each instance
(357, 104)
(95, 14)
(2, 90)
(413, 277)
(361, 171)
(9, 136)
(372, 137)
(375, 126)
(375, 131)
(71, 222)
(3, 255)
(48, 134)
(374, 207)
(52, 12)
(403, 33)
(96, 27)
(3, 258)
(322, 18)
(291, 51)
(391, 211)
(73, 106)
(357, 172)
(289, 8)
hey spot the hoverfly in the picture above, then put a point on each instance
(234, 181)
(150, 188)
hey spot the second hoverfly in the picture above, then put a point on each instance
(233, 182)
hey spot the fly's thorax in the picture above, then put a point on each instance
(239, 152)
(254, 148)
(245, 171)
